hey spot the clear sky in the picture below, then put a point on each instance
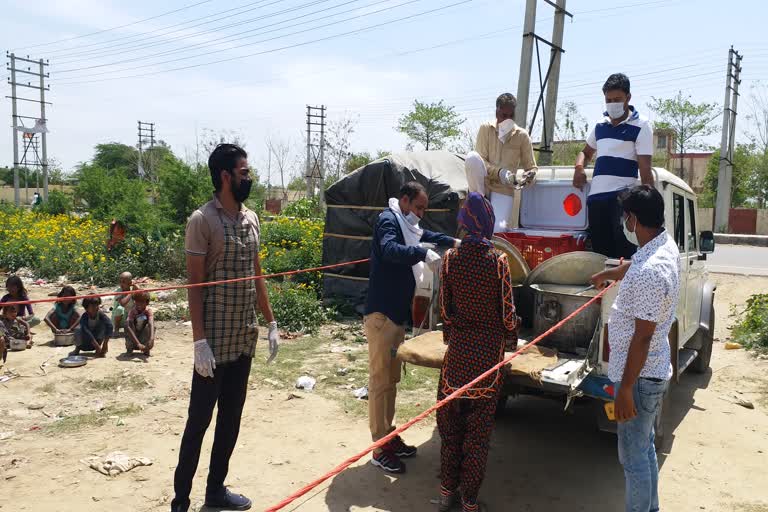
(251, 67)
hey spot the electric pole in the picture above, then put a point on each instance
(40, 121)
(526, 63)
(550, 106)
(146, 136)
(727, 142)
(315, 174)
(548, 81)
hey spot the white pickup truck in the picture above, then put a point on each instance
(550, 212)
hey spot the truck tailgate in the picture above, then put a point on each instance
(536, 367)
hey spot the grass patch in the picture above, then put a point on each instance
(131, 382)
(291, 363)
(312, 356)
(751, 328)
(80, 422)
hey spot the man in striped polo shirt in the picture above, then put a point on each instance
(623, 141)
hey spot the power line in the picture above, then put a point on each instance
(118, 27)
(246, 8)
(179, 59)
(274, 50)
(130, 49)
(239, 37)
(208, 53)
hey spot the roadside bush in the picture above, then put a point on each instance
(752, 328)
(296, 307)
(182, 189)
(55, 245)
(304, 208)
(288, 245)
(58, 203)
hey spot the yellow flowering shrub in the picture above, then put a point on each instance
(55, 245)
(293, 244)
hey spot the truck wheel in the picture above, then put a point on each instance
(701, 363)
(501, 404)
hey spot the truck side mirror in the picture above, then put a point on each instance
(707, 242)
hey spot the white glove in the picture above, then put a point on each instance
(529, 178)
(507, 177)
(205, 363)
(456, 242)
(433, 260)
(274, 341)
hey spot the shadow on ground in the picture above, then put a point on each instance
(540, 459)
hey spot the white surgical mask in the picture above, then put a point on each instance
(412, 219)
(505, 128)
(630, 235)
(615, 110)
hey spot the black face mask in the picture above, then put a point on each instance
(242, 190)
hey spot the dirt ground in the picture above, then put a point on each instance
(541, 459)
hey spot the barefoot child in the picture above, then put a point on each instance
(63, 318)
(17, 293)
(95, 329)
(13, 327)
(140, 328)
(123, 303)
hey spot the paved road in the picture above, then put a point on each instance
(739, 259)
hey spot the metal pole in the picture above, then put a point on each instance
(321, 194)
(310, 185)
(732, 131)
(14, 111)
(526, 64)
(732, 135)
(550, 107)
(140, 167)
(44, 135)
(723, 201)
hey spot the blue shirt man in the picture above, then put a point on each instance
(394, 252)
(623, 142)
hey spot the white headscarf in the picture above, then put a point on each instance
(412, 235)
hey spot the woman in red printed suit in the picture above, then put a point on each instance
(479, 316)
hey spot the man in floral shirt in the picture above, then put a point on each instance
(641, 317)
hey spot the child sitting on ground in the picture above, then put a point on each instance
(140, 328)
(17, 293)
(13, 327)
(63, 318)
(123, 303)
(95, 329)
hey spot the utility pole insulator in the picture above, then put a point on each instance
(727, 142)
(315, 170)
(29, 141)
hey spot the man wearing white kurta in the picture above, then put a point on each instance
(502, 148)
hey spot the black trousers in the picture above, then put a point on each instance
(228, 387)
(606, 231)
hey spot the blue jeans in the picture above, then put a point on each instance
(637, 452)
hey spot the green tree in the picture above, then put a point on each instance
(689, 121)
(6, 175)
(758, 116)
(297, 183)
(570, 134)
(337, 143)
(117, 156)
(431, 124)
(112, 194)
(744, 163)
(182, 189)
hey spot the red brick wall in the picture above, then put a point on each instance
(742, 221)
